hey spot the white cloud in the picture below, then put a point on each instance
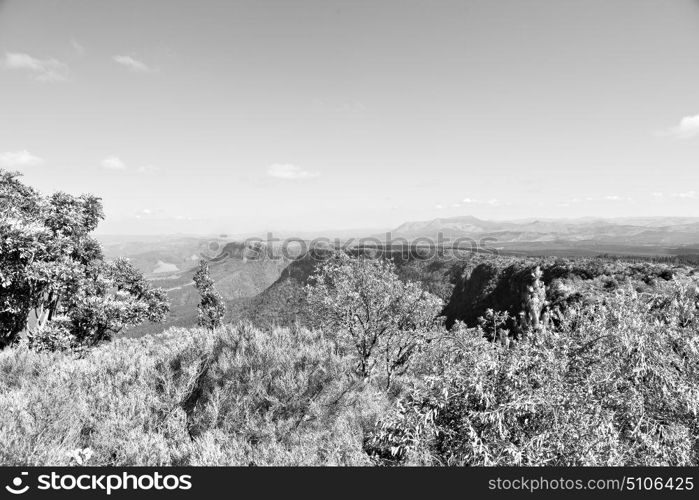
(147, 169)
(609, 197)
(113, 163)
(77, 47)
(686, 195)
(687, 129)
(132, 64)
(657, 195)
(157, 213)
(43, 70)
(471, 201)
(291, 172)
(466, 202)
(146, 212)
(19, 159)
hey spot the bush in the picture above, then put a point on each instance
(54, 336)
(617, 384)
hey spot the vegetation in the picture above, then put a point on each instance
(270, 397)
(50, 266)
(371, 312)
(544, 361)
(212, 309)
(615, 384)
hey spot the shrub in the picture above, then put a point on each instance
(374, 315)
(616, 384)
(55, 336)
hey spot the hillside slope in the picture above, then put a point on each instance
(236, 276)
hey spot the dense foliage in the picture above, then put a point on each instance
(371, 313)
(617, 384)
(211, 309)
(52, 269)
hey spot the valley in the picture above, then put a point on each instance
(261, 286)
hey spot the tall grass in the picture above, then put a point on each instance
(279, 397)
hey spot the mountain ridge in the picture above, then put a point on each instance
(636, 230)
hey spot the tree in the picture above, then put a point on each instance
(212, 309)
(50, 265)
(371, 312)
(114, 297)
(493, 324)
(535, 302)
(24, 240)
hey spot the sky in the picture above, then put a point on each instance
(247, 115)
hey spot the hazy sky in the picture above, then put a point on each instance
(296, 114)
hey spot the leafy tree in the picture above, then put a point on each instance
(374, 314)
(50, 265)
(212, 309)
(114, 297)
(23, 242)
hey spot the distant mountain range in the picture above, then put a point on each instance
(174, 256)
(250, 284)
(161, 255)
(656, 231)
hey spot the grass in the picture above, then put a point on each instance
(279, 397)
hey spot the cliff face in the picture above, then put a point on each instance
(513, 285)
(489, 285)
(468, 287)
